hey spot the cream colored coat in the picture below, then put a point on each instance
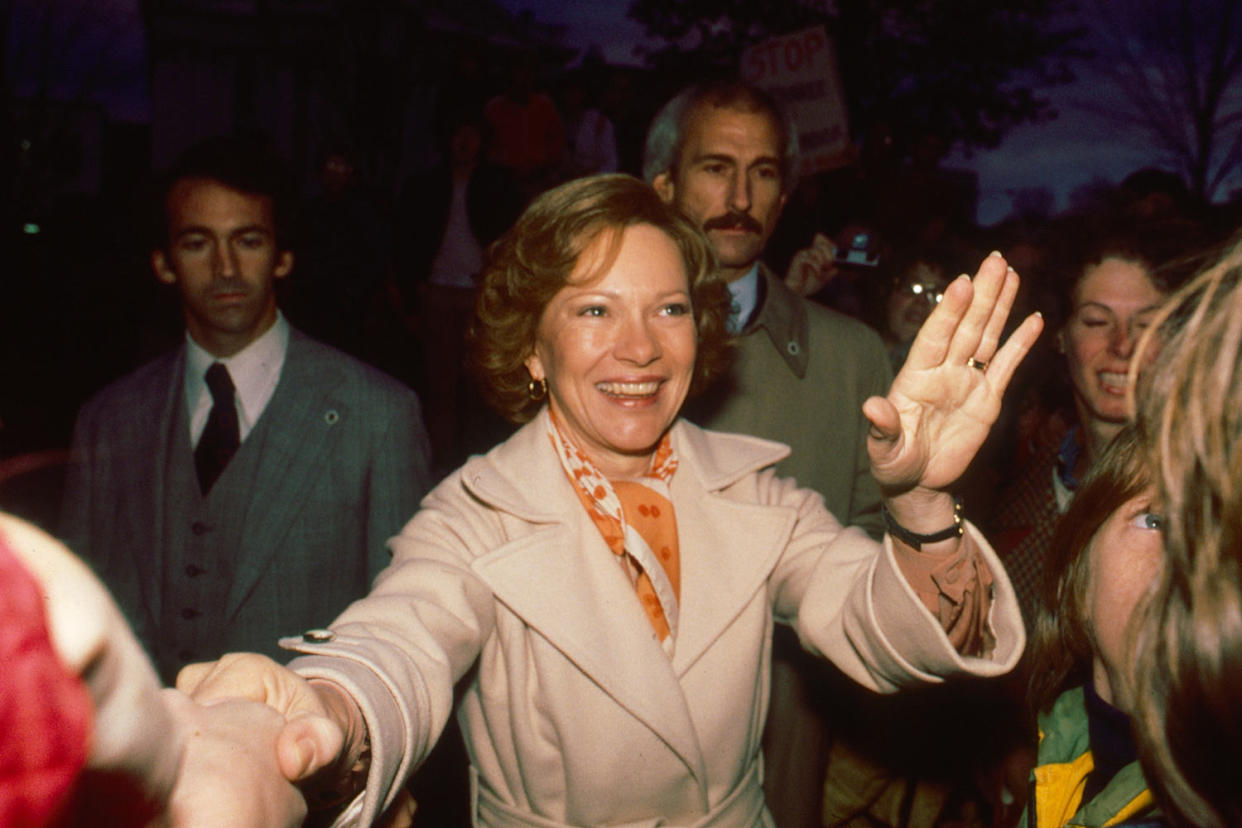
(575, 715)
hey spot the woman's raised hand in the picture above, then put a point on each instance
(948, 394)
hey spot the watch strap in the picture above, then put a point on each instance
(916, 540)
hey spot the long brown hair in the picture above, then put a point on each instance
(1061, 642)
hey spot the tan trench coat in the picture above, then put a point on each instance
(575, 715)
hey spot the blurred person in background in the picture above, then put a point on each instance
(916, 287)
(448, 216)
(1114, 289)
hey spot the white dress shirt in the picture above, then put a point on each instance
(255, 370)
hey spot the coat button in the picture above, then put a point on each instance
(190, 614)
(793, 348)
(200, 528)
(318, 636)
(186, 655)
(194, 571)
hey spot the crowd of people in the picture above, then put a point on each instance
(738, 482)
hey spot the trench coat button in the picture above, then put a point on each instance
(318, 636)
(793, 348)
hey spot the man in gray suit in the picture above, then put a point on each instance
(244, 485)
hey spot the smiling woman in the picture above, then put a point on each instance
(1114, 285)
(1115, 294)
(606, 580)
(574, 235)
(616, 348)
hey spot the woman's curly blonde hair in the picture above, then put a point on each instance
(528, 266)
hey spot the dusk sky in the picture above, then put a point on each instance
(1074, 149)
(1062, 154)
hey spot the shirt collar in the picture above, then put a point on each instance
(1067, 458)
(254, 369)
(1064, 484)
(745, 295)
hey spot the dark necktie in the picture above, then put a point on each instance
(220, 436)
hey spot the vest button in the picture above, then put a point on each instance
(200, 528)
(194, 571)
(190, 614)
(186, 655)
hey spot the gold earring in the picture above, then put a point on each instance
(537, 389)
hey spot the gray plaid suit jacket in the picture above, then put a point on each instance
(344, 463)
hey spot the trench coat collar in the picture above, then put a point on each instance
(783, 317)
(502, 478)
(564, 582)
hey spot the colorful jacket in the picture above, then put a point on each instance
(1060, 775)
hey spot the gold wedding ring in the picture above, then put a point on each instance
(977, 363)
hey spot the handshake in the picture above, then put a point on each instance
(92, 738)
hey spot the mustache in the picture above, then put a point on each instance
(734, 221)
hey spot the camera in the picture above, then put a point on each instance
(862, 250)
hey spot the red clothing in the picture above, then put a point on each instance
(45, 711)
(526, 137)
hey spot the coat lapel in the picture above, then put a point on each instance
(298, 422)
(161, 402)
(783, 316)
(549, 577)
(721, 572)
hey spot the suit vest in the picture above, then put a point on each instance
(200, 544)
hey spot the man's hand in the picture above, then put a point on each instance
(314, 733)
(812, 267)
(229, 775)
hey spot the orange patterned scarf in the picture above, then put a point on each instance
(636, 520)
